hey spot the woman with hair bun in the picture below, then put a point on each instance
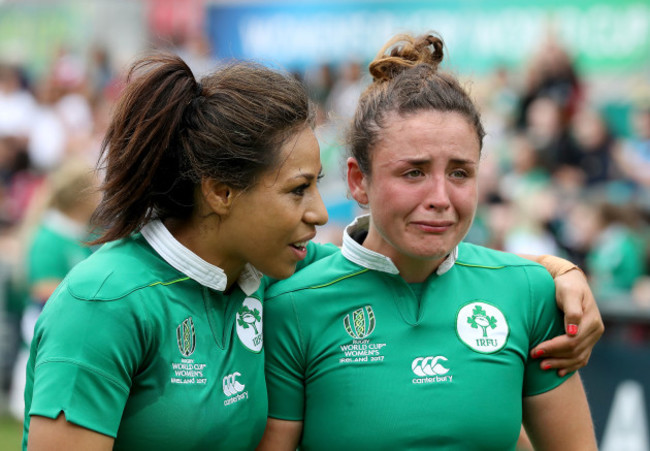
(155, 341)
(409, 338)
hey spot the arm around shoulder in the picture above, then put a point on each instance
(560, 418)
(582, 320)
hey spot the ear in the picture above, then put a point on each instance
(218, 196)
(357, 183)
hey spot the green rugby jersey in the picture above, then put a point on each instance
(141, 343)
(365, 364)
(57, 246)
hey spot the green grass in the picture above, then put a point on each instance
(11, 434)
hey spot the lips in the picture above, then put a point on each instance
(433, 226)
(300, 245)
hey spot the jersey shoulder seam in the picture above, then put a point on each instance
(317, 286)
(117, 296)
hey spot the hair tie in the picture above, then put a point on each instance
(199, 89)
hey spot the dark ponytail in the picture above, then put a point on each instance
(169, 131)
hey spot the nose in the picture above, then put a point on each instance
(438, 195)
(316, 212)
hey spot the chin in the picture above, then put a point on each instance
(281, 273)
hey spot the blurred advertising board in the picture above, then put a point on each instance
(601, 34)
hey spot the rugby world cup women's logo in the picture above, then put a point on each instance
(185, 337)
(360, 323)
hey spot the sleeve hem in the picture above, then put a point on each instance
(54, 414)
(559, 381)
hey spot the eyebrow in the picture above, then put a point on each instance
(425, 161)
(309, 177)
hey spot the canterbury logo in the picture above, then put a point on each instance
(185, 337)
(231, 386)
(360, 323)
(429, 366)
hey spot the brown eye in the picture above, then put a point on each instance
(300, 190)
(414, 173)
(459, 174)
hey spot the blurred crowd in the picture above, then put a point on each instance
(557, 178)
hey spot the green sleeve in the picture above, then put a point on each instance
(285, 360)
(545, 322)
(85, 354)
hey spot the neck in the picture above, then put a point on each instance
(202, 238)
(416, 270)
(413, 269)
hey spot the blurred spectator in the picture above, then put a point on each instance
(342, 100)
(17, 180)
(101, 72)
(549, 134)
(48, 135)
(634, 156)
(55, 230)
(195, 49)
(529, 232)
(320, 81)
(525, 175)
(16, 104)
(595, 145)
(551, 73)
(72, 103)
(503, 96)
(615, 253)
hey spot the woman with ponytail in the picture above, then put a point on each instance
(410, 339)
(155, 341)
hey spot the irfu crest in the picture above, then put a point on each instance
(249, 324)
(482, 326)
(481, 319)
(247, 318)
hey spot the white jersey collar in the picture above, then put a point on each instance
(187, 262)
(362, 256)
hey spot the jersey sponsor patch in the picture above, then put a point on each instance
(233, 389)
(482, 327)
(430, 369)
(249, 324)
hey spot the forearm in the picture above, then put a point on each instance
(556, 266)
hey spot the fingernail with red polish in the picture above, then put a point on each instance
(538, 353)
(572, 329)
(546, 366)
